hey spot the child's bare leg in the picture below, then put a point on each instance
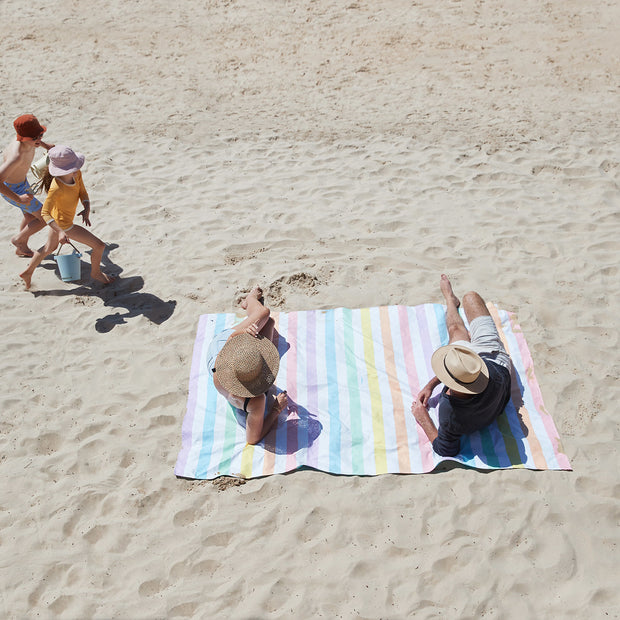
(78, 233)
(39, 255)
(26, 219)
(31, 223)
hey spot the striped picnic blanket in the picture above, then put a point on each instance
(351, 376)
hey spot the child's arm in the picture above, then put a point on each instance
(85, 213)
(86, 202)
(48, 218)
(62, 235)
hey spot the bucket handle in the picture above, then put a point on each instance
(71, 244)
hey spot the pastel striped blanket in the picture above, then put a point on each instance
(351, 376)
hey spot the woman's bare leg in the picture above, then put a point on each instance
(257, 318)
(258, 426)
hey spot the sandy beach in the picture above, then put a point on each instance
(338, 154)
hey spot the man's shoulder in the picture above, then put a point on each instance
(497, 372)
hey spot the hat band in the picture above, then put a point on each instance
(456, 378)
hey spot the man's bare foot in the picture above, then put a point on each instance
(446, 289)
(101, 277)
(26, 277)
(256, 292)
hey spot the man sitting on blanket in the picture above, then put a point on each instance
(474, 370)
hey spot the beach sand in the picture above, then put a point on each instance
(339, 155)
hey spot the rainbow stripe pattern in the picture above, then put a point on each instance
(351, 376)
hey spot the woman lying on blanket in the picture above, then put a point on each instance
(243, 362)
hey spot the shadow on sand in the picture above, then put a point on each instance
(123, 293)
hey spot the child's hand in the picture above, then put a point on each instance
(62, 237)
(85, 213)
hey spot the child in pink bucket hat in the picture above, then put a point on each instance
(65, 188)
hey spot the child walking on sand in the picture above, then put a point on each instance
(65, 187)
(13, 184)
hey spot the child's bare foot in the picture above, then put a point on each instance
(22, 250)
(26, 277)
(256, 292)
(446, 289)
(101, 277)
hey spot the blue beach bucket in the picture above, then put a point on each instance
(69, 265)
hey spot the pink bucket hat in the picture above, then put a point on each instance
(64, 160)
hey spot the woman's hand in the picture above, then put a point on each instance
(253, 330)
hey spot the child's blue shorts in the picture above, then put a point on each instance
(23, 188)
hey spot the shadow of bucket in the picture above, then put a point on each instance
(69, 265)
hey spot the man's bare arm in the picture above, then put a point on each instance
(420, 413)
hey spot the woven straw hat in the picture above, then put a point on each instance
(247, 366)
(460, 369)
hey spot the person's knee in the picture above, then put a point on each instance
(98, 245)
(473, 299)
(474, 305)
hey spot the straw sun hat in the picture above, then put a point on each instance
(247, 366)
(460, 369)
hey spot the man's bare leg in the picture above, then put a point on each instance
(454, 322)
(474, 306)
